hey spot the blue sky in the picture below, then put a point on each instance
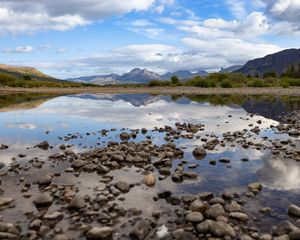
(76, 38)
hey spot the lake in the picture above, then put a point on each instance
(86, 122)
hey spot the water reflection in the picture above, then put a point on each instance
(90, 113)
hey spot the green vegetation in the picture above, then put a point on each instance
(234, 80)
(28, 82)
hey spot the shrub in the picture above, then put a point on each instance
(226, 84)
(285, 84)
(256, 83)
(175, 80)
(154, 83)
(203, 83)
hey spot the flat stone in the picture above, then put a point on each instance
(100, 233)
(77, 203)
(6, 201)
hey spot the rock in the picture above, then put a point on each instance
(122, 186)
(233, 207)
(140, 230)
(294, 133)
(6, 201)
(3, 147)
(265, 237)
(100, 233)
(61, 237)
(215, 211)
(77, 203)
(180, 234)
(45, 180)
(197, 206)
(164, 194)
(284, 227)
(36, 224)
(78, 164)
(124, 136)
(43, 145)
(43, 200)
(203, 227)
(8, 231)
(206, 196)
(294, 235)
(224, 160)
(293, 210)
(194, 217)
(149, 180)
(199, 153)
(239, 216)
(54, 216)
(255, 186)
(220, 229)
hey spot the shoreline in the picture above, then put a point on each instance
(295, 91)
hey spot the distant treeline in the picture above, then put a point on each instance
(28, 82)
(230, 80)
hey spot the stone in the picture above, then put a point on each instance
(294, 235)
(124, 136)
(43, 145)
(45, 180)
(140, 230)
(43, 200)
(239, 216)
(221, 229)
(199, 153)
(224, 160)
(197, 206)
(215, 211)
(6, 201)
(8, 231)
(122, 186)
(203, 227)
(78, 164)
(54, 216)
(77, 203)
(3, 147)
(100, 233)
(284, 227)
(233, 207)
(256, 186)
(149, 180)
(294, 210)
(180, 234)
(194, 217)
(265, 237)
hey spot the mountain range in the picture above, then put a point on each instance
(136, 75)
(277, 62)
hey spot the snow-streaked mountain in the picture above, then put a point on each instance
(136, 75)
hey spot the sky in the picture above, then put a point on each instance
(73, 38)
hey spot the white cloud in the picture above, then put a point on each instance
(21, 49)
(35, 15)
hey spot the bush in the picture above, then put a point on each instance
(203, 83)
(256, 83)
(285, 84)
(154, 83)
(226, 84)
(175, 80)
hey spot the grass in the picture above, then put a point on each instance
(27, 82)
(232, 80)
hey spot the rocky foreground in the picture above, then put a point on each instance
(36, 195)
